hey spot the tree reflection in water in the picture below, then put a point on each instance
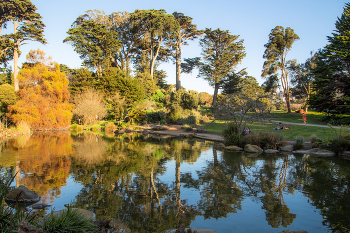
(123, 179)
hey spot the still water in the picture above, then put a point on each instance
(153, 184)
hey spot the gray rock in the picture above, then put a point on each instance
(219, 146)
(321, 152)
(345, 153)
(83, 212)
(252, 148)
(316, 152)
(40, 206)
(301, 151)
(145, 132)
(199, 230)
(287, 231)
(271, 151)
(233, 148)
(287, 148)
(22, 195)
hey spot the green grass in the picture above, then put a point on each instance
(311, 117)
(294, 131)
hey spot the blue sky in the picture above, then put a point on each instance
(253, 20)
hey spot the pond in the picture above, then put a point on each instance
(150, 184)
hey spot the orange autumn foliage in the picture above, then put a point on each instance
(43, 97)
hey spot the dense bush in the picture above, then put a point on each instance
(131, 89)
(189, 99)
(155, 116)
(175, 113)
(265, 140)
(339, 144)
(148, 83)
(299, 143)
(116, 106)
(232, 136)
(186, 99)
(7, 97)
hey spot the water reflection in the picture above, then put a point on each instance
(126, 178)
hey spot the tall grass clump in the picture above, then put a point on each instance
(10, 218)
(299, 143)
(70, 220)
(232, 136)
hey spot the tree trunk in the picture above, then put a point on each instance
(215, 96)
(15, 68)
(15, 59)
(178, 67)
(151, 60)
(288, 101)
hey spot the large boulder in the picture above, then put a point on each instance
(287, 148)
(287, 231)
(198, 230)
(321, 152)
(270, 151)
(219, 146)
(233, 148)
(252, 148)
(22, 195)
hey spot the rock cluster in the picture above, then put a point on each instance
(317, 152)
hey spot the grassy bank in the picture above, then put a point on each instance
(294, 131)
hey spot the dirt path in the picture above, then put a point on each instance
(177, 131)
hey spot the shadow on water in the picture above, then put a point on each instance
(147, 184)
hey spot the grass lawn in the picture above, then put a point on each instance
(294, 131)
(311, 117)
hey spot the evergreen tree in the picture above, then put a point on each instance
(27, 26)
(221, 53)
(332, 80)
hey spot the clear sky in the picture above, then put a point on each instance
(253, 20)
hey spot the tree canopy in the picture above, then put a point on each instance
(27, 26)
(279, 44)
(94, 41)
(155, 26)
(221, 53)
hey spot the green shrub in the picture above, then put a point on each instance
(74, 126)
(95, 128)
(162, 122)
(299, 143)
(7, 97)
(232, 136)
(155, 116)
(192, 120)
(339, 144)
(186, 128)
(265, 140)
(175, 113)
(147, 83)
(158, 96)
(189, 99)
(131, 89)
